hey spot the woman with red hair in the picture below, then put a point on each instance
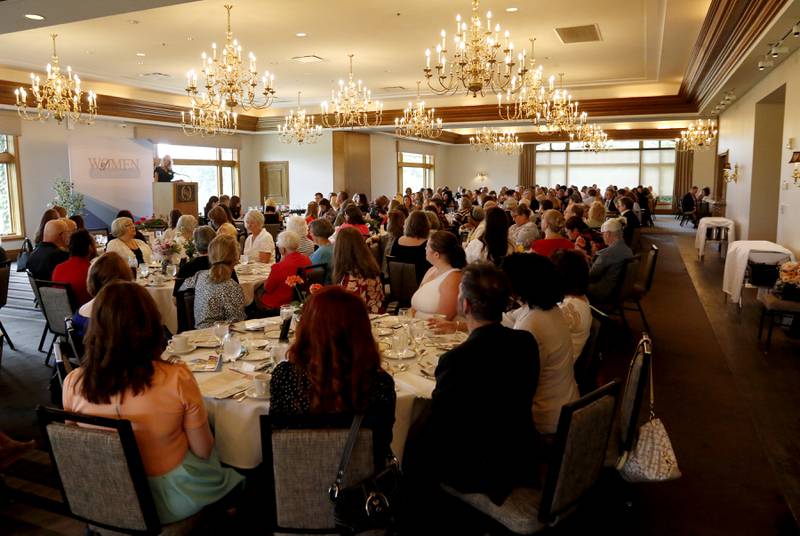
(333, 368)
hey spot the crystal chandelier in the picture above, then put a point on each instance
(591, 137)
(697, 137)
(205, 119)
(225, 80)
(489, 139)
(527, 94)
(479, 61)
(418, 122)
(560, 113)
(351, 105)
(298, 127)
(59, 96)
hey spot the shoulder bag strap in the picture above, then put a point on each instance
(648, 347)
(334, 490)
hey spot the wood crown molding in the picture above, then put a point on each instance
(729, 29)
(620, 134)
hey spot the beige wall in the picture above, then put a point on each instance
(461, 165)
(765, 177)
(737, 128)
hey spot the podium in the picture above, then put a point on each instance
(170, 195)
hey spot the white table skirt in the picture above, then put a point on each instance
(711, 222)
(739, 254)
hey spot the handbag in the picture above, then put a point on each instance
(369, 504)
(652, 458)
(24, 255)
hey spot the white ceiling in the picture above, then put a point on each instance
(645, 47)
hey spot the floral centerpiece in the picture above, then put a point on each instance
(788, 284)
(301, 292)
(171, 249)
(151, 223)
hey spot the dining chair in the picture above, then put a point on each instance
(584, 428)
(588, 363)
(57, 304)
(301, 457)
(37, 302)
(5, 275)
(643, 284)
(402, 282)
(313, 274)
(185, 307)
(101, 476)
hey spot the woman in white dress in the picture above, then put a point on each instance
(438, 292)
(259, 245)
(575, 307)
(125, 245)
(536, 282)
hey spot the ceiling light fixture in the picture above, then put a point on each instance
(298, 127)
(489, 139)
(698, 136)
(418, 122)
(140, 54)
(301, 34)
(512, 9)
(351, 105)
(33, 16)
(59, 96)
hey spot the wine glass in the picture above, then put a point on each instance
(220, 330)
(143, 270)
(172, 270)
(231, 347)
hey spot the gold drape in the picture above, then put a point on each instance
(527, 165)
(684, 164)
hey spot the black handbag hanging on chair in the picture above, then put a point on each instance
(369, 504)
(24, 255)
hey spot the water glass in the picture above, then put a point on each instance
(172, 270)
(143, 270)
(243, 260)
(404, 315)
(220, 330)
(231, 347)
(286, 312)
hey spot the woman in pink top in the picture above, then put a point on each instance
(123, 376)
(353, 217)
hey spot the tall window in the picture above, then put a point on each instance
(215, 170)
(414, 171)
(626, 164)
(10, 205)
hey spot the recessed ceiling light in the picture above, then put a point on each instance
(34, 16)
(140, 54)
(512, 9)
(301, 34)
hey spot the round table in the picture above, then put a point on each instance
(235, 421)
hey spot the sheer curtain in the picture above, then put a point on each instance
(527, 165)
(684, 162)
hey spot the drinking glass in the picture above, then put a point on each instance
(172, 270)
(143, 270)
(404, 315)
(286, 312)
(220, 330)
(243, 260)
(231, 347)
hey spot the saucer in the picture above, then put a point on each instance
(408, 353)
(189, 349)
(251, 393)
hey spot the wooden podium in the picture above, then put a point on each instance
(170, 195)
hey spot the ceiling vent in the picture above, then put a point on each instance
(308, 59)
(155, 76)
(579, 34)
(393, 89)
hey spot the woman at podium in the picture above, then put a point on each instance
(163, 172)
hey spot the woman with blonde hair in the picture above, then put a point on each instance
(597, 215)
(228, 229)
(297, 224)
(217, 297)
(552, 225)
(355, 268)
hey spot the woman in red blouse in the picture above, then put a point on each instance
(353, 217)
(74, 270)
(552, 225)
(356, 269)
(276, 291)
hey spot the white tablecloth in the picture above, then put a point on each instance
(236, 424)
(710, 222)
(736, 262)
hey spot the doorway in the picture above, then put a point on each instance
(274, 178)
(766, 173)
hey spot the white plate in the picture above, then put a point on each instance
(251, 393)
(408, 353)
(258, 343)
(257, 355)
(206, 344)
(189, 349)
(273, 334)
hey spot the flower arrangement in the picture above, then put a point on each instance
(152, 223)
(301, 293)
(170, 248)
(788, 284)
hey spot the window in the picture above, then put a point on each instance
(10, 205)
(216, 171)
(627, 164)
(414, 171)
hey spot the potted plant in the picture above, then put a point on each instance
(67, 197)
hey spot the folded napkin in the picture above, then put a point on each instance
(419, 386)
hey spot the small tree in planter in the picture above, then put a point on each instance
(68, 197)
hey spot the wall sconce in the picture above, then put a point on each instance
(795, 160)
(483, 177)
(730, 174)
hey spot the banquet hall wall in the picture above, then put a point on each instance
(737, 126)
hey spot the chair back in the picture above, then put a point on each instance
(185, 305)
(61, 356)
(587, 364)
(402, 281)
(632, 396)
(274, 229)
(35, 288)
(648, 271)
(100, 470)
(301, 464)
(57, 304)
(627, 281)
(75, 342)
(584, 428)
(313, 274)
(5, 276)
(636, 240)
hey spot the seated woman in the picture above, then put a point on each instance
(597, 215)
(410, 247)
(353, 217)
(184, 227)
(122, 376)
(259, 245)
(575, 306)
(275, 291)
(108, 268)
(217, 297)
(537, 284)
(552, 225)
(334, 368)
(74, 270)
(493, 245)
(438, 293)
(297, 224)
(236, 207)
(126, 245)
(271, 212)
(229, 230)
(212, 202)
(216, 217)
(312, 212)
(129, 214)
(355, 269)
(321, 230)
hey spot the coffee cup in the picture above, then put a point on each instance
(179, 343)
(261, 384)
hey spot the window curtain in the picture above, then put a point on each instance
(527, 165)
(684, 162)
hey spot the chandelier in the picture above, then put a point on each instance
(591, 137)
(698, 136)
(527, 94)
(560, 113)
(59, 96)
(351, 105)
(225, 80)
(479, 61)
(417, 122)
(298, 127)
(489, 139)
(206, 120)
